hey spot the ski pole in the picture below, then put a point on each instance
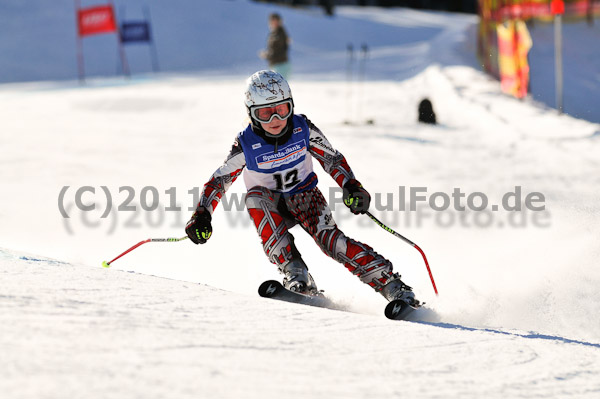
(349, 94)
(107, 264)
(389, 230)
(361, 79)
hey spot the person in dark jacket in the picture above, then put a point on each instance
(278, 44)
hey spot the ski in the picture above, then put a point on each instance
(399, 310)
(395, 310)
(275, 290)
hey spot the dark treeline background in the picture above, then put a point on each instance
(466, 6)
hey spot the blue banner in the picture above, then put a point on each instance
(135, 32)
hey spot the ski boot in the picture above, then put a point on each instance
(297, 278)
(395, 289)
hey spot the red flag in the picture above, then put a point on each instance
(94, 20)
(557, 7)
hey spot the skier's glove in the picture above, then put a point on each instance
(356, 197)
(199, 228)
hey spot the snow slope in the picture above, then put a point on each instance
(86, 332)
(518, 290)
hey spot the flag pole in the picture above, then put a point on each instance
(79, 49)
(557, 7)
(153, 52)
(558, 62)
(124, 63)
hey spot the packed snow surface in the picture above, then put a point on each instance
(518, 289)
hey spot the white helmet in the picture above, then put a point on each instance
(267, 88)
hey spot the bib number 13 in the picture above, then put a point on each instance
(288, 181)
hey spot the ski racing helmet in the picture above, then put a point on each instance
(268, 96)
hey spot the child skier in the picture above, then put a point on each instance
(276, 149)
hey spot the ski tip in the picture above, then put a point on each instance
(398, 310)
(269, 288)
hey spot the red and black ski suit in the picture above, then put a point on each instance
(282, 192)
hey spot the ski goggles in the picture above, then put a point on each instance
(265, 114)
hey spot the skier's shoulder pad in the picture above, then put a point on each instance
(311, 125)
(305, 118)
(236, 148)
(244, 133)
